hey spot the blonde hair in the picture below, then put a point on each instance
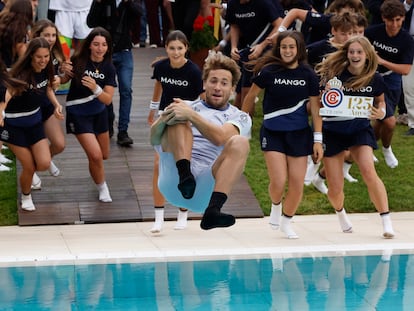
(216, 60)
(336, 62)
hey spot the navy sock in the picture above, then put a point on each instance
(212, 217)
(187, 182)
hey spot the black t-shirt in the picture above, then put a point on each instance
(184, 82)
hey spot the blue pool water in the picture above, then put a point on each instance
(313, 283)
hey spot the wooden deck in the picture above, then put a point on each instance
(72, 198)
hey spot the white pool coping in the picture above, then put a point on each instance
(320, 235)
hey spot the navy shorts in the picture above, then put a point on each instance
(22, 136)
(246, 77)
(337, 142)
(392, 97)
(292, 143)
(78, 124)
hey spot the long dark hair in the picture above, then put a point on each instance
(273, 56)
(23, 69)
(83, 54)
(13, 85)
(15, 20)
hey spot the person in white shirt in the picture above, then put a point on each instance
(203, 145)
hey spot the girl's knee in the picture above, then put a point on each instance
(58, 148)
(43, 165)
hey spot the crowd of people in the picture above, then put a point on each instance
(296, 53)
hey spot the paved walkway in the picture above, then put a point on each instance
(72, 197)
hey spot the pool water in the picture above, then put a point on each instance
(311, 283)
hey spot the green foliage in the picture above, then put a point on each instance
(202, 36)
(399, 182)
(8, 193)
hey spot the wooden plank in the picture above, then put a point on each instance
(72, 197)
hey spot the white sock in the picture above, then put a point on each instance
(104, 195)
(36, 182)
(344, 221)
(389, 157)
(181, 220)
(287, 228)
(311, 170)
(4, 168)
(347, 176)
(53, 169)
(319, 182)
(387, 225)
(27, 203)
(159, 220)
(275, 214)
(4, 159)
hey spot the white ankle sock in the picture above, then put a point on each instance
(275, 214)
(27, 203)
(389, 157)
(319, 182)
(311, 170)
(347, 176)
(36, 182)
(104, 195)
(344, 221)
(181, 220)
(286, 227)
(387, 225)
(4, 159)
(159, 220)
(53, 169)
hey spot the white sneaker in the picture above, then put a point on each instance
(375, 159)
(36, 182)
(104, 195)
(27, 203)
(390, 158)
(4, 168)
(53, 169)
(311, 171)
(344, 221)
(4, 147)
(4, 160)
(181, 220)
(347, 176)
(285, 227)
(319, 184)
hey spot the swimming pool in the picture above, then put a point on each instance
(374, 282)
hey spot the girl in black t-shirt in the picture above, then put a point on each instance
(175, 77)
(354, 65)
(23, 128)
(91, 89)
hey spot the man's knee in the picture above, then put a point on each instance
(239, 144)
